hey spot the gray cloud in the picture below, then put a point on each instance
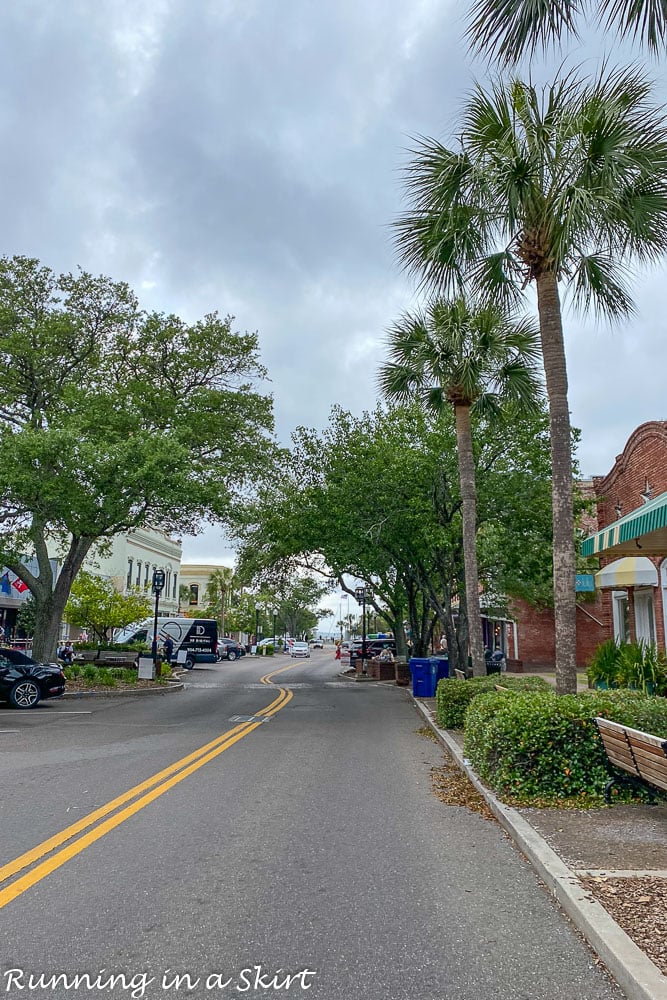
(245, 156)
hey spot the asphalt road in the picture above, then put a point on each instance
(306, 840)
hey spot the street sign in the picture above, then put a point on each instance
(584, 583)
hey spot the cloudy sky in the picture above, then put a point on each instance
(245, 156)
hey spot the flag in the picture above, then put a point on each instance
(343, 597)
(5, 586)
(19, 585)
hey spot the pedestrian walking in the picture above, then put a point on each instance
(168, 649)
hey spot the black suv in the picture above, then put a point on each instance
(229, 649)
(374, 647)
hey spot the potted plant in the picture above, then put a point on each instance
(603, 668)
(642, 667)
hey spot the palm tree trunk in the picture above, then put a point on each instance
(555, 370)
(466, 462)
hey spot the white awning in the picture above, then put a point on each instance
(633, 571)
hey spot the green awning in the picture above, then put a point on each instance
(643, 530)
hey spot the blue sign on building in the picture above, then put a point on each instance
(584, 582)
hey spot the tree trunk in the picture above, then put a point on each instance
(555, 370)
(466, 463)
(50, 599)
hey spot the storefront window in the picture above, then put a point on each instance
(621, 609)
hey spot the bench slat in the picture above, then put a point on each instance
(648, 748)
(655, 772)
(626, 763)
(657, 760)
(612, 740)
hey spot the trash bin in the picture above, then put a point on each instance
(424, 677)
(441, 667)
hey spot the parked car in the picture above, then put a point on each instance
(375, 646)
(300, 649)
(230, 649)
(24, 682)
(317, 644)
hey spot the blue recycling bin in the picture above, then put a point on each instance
(441, 666)
(424, 677)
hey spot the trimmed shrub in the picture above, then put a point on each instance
(545, 748)
(269, 650)
(105, 678)
(454, 696)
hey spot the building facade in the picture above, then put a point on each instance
(626, 535)
(130, 560)
(126, 560)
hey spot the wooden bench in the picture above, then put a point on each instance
(641, 755)
(111, 658)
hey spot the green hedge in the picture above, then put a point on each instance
(454, 696)
(545, 748)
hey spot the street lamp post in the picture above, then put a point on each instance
(158, 585)
(360, 598)
(256, 626)
(275, 615)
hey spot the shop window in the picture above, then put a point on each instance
(621, 610)
(644, 616)
(138, 572)
(128, 582)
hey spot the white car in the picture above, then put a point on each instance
(317, 643)
(300, 649)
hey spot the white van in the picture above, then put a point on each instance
(197, 636)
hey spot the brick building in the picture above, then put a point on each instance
(629, 535)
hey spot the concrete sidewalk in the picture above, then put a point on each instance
(572, 848)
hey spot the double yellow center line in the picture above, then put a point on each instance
(101, 821)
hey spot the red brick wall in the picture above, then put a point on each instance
(536, 636)
(644, 457)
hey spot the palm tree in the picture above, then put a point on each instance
(508, 28)
(561, 187)
(220, 584)
(475, 361)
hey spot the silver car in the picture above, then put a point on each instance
(300, 649)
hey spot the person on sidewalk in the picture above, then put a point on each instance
(168, 649)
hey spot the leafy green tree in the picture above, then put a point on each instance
(25, 617)
(508, 28)
(559, 188)
(475, 361)
(111, 418)
(377, 499)
(296, 601)
(96, 605)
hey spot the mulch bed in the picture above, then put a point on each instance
(639, 906)
(80, 686)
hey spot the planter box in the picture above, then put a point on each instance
(402, 674)
(513, 666)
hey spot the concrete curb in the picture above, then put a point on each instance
(111, 693)
(634, 972)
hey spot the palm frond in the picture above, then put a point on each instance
(508, 28)
(598, 282)
(642, 20)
